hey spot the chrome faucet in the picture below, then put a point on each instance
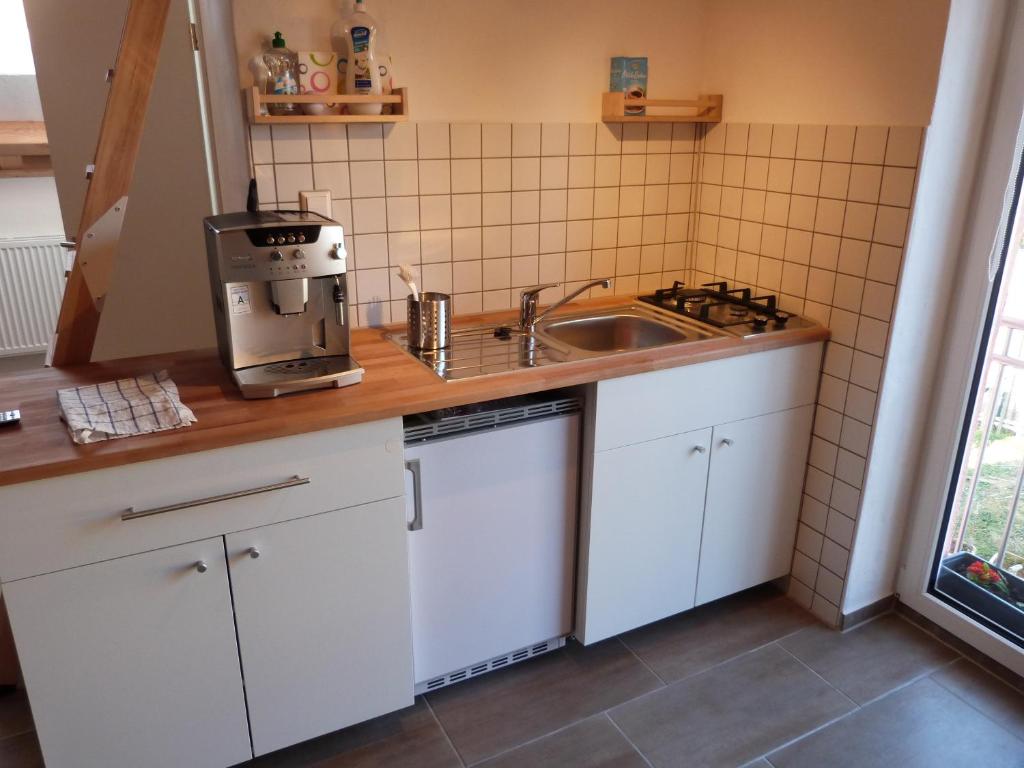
(528, 316)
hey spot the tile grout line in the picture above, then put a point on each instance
(636, 656)
(814, 672)
(628, 740)
(533, 740)
(968, 702)
(447, 738)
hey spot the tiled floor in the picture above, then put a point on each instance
(751, 681)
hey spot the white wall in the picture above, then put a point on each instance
(784, 61)
(502, 60)
(29, 208)
(869, 62)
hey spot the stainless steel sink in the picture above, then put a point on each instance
(561, 338)
(620, 330)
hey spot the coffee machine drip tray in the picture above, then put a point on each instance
(287, 376)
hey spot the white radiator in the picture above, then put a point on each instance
(31, 287)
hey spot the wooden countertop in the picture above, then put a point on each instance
(394, 385)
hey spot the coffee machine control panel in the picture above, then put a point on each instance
(281, 253)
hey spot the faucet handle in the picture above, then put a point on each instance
(535, 290)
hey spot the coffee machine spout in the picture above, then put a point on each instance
(290, 296)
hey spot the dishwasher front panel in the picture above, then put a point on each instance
(492, 565)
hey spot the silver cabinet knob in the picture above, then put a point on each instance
(202, 567)
(699, 449)
(254, 552)
(726, 441)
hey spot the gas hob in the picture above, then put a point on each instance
(734, 310)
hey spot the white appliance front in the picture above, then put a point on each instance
(492, 565)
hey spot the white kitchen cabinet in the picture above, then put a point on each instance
(322, 607)
(664, 527)
(753, 501)
(641, 539)
(133, 662)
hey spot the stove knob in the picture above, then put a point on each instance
(299, 254)
(760, 321)
(276, 255)
(781, 318)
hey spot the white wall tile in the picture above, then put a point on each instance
(526, 140)
(497, 208)
(525, 207)
(634, 138)
(291, 178)
(496, 175)
(497, 242)
(330, 142)
(525, 173)
(810, 142)
(466, 244)
(369, 215)
(581, 171)
(400, 141)
(759, 140)
(367, 178)
(859, 221)
(261, 144)
(466, 210)
(435, 212)
(291, 144)
(266, 185)
(435, 177)
(496, 140)
(553, 205)
(436, 246)
(580, 204)
(497, 273)
(524, 271)
(554, 172)
(884, 263)
(403, 213)
(609, 139)
(552, 237)
(903, 146)
(365, 142)
(891, 225)
(466, 140)
(839, 140)
(784, 141)
(433, 141)
(467, 276)
(555, 139)
(371, 251)
(869, 145)
(897, 186)
(607, 171)
(582, 138)
(403, 248)
(401, 177)
(865, 181)
(466, 175)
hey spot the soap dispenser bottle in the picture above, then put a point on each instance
(283, 80)
(355, 38)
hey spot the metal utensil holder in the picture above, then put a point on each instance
(430, 321)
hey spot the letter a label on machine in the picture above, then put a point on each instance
(238, 298)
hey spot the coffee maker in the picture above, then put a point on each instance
(280, 301)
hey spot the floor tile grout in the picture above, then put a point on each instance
(447, 738)
(814, 672)
(637, 656)
(916, 679)
(514, 747)
(628, 740)
(971, 704)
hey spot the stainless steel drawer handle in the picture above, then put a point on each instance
(202, 567)
(413, 465)
(699, 449)
(726, 441)
(254, 552)
(132, 514)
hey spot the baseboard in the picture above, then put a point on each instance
(868, 612)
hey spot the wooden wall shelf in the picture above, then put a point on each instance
(706, 108)
(400, 100)
(24, 150)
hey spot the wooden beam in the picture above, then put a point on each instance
(116, 153)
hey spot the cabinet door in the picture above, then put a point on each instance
(133, 661)
(323, 621)
(754, 491)
(640, 537)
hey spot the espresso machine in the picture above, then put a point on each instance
(280, 301)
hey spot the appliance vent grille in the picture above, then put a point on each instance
(491, 664)
(419, 428)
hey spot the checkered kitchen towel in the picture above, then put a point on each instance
(122, 408)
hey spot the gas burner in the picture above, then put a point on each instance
(734, 309)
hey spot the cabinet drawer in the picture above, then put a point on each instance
(647, 406)
(48, 525)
